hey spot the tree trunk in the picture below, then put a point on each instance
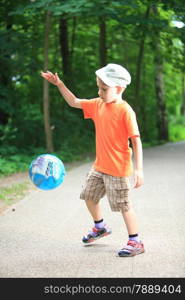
(46, 108)
(6, 79)
(73, 36)
(139, 65)
(162, 121)
(65, 52)
(144, 118)
(102, 42)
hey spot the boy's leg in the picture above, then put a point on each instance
(93, 190)
(100, 229)
(94, 209)
(134, 245)
(130, 220)
(117, 189)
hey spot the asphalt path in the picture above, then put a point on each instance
(42, 236)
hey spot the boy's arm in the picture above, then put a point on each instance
(65, 92)
(138, 158)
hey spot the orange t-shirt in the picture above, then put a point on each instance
(114, 123)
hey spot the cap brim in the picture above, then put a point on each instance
(100, 73)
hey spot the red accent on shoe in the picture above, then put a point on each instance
(138, 248)
(135, 244)
(98, 233)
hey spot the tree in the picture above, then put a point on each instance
(140, 59)
(162, 121)
(46, 102)
(85, 34)
(102, 42)
(65, 51)
(177, 6)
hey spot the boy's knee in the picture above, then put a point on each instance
(120, 207)
(88, 198)
(125, 207)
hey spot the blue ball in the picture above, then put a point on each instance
(47, 171)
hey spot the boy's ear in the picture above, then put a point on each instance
(120, 89)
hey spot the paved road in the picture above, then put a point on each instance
(42, 237)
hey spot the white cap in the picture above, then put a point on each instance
(114, 75)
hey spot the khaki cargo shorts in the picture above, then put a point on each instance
(116, 189)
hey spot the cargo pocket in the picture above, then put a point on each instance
(122, 187)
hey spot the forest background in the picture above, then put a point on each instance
(75, 38)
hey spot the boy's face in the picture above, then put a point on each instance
(108, 94)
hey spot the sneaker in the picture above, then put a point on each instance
(95, 234)
(131, 249)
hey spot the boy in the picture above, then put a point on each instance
(115, 124)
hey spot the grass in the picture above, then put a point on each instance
(11, 194)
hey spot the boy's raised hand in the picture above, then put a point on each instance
(52, 78)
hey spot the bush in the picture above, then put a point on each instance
(177, 133)
(177, 129)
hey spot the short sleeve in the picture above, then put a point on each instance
(89, 107)
(131, 123)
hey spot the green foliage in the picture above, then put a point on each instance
(177, 133)
(7, 132)
(22, 135)
(177, 129)
(13, 164)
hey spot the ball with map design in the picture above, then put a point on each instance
(47, 171)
